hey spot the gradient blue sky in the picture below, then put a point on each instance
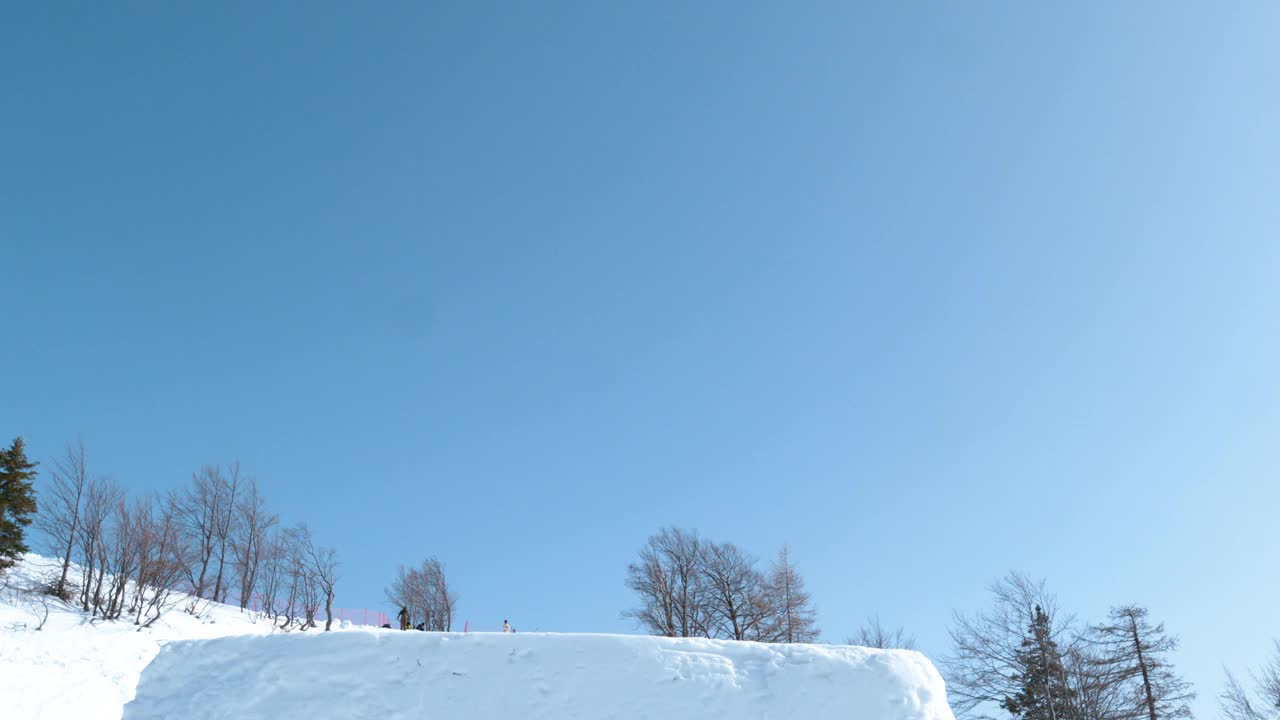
(927, 290)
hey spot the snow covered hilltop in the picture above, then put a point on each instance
(222, 662)
(390, 675)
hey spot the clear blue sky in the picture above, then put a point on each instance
(927, 290)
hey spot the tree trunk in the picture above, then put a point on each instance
(1142, 665)
(71, 542)
(66, 562)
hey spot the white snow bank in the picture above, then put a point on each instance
(390, 675)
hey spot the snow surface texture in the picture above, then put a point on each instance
(74, 668)
(391, 675)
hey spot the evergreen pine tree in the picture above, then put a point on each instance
(1044, 694)
(1133, 655)
(17, 502)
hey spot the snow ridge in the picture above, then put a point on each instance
(391, 675)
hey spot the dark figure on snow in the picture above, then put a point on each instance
(404, 618)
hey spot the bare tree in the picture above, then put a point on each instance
(425, 593)
(325, 561)
(121, 560)
(161, 559)
(200, 506)
(34, 600)
(101, 497)
(31, 595)
(322, 570)
(987, 667)
(669, 579)
(297, 579)
(249, 539)
(1133, 658)
(875, 635)
(224, 517)
(734, 592)
(1263, 703)
(60, 506)
(39, 605)
(790, 617)
(303, 600)
(1093, 685)
(652, 580)
(271, 577)
(308, 595)
(441, 598)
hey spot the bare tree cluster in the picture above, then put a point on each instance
(213, 539)
(1261, 703)
(296, 578)
(691, 587)
(425, 593)
(1027, 657)
(130, 554)
(876, 635)
(238, 548)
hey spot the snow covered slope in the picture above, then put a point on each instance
(391, 675)
(74, 668)
(223, 663)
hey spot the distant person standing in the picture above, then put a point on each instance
(404, 618)
(506, 626)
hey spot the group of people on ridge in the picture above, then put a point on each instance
(403, 617)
